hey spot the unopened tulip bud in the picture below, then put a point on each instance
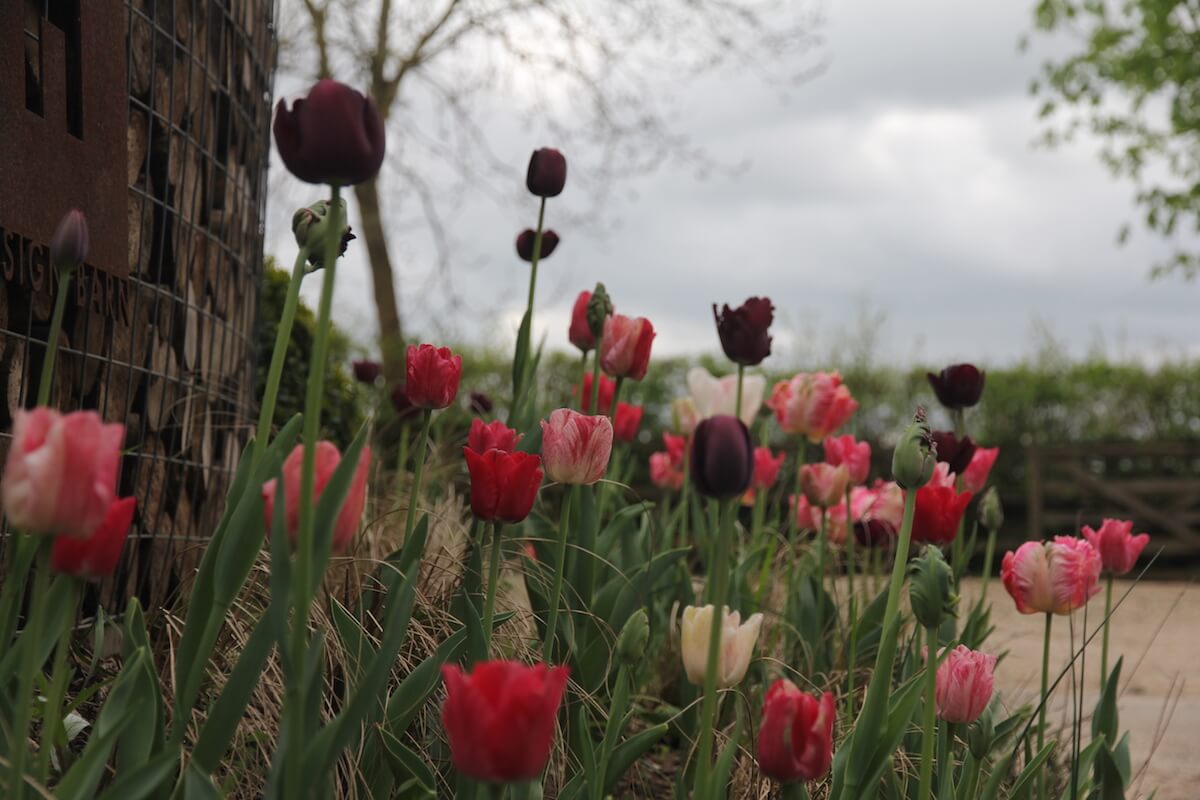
(69, 247)
(991, 513)
(310, 227)
(631, 644)
(526, 239)
(931, 589)
(915, 455)
(599, 309)
(547, 173)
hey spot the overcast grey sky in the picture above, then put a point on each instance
(901, 182)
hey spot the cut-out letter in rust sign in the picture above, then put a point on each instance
(63, 121)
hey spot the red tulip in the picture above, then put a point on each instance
(954, 452)
(61, 473)
(335, 135)
(744, 330)
(1051, 577)
(547, 173)
(503, 484)
(958, 385)
(576, 447)
(433, 375)
(795, 741)
(625, 349)
(855, 455)
(96, 556)
(500, 718)
(766, 468)
(938, 512)
(1118, 547)
(676, 448)
(626, 422)
(976, 474)
(722, 461)
(824, 484)
(492, 436)
(580, 332)
(812, 404)
(328, 458)
(608, 388)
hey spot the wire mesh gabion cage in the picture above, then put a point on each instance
(159, 328)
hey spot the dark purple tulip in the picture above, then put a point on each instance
(367, 371)
(954, 451)
(525, 244)
(335, 135)
(744, 330)
(69, 246)
(873, 533)
(547, 173)
(958, 385)
(480, 403)
(722, 457)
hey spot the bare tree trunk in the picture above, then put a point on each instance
(391, 336)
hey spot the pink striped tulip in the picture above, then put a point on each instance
(964, 685)
(625, 348)
(576, 447)
(824, 484)
(855, 455)
(1053, 577)
(812, 404)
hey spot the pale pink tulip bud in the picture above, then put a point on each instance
(1118, 547)
(1054, 577)
(576, 447)
(964, 685)
(824, 484)
(736, 649)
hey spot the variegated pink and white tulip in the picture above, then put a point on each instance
(1054, 577)
(576, 447)
(964, 685)
(812, 404)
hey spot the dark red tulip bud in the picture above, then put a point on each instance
(744, 330)
(547, 173)
(958, 385)
(334, 135)
(69, 246)
(481, 403)
(580, 332)
(955, 452)
(525, 241)
(722, 457)
(626, 422)
(367, 371)
(433, 374)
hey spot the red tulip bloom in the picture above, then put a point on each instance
(328, 458)
(625, 349)
(433, 375)
(335, 135)
(938, 511)
(547, 173)
(626, 422)
(525, 240)
(958, 385)
(954, 452)
(744, 331)
(608, 388)
(676, 448)
(795, 741)
(503, 484)
(500, 718)
(580, 332)
(976, 474)
(96, 556)
(492, 436)
(1118, 547)
(855, 455)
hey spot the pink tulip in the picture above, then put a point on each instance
(61, 473)
(964, 685)
(576, 447)
(880, 514)
(976, 474)
(813, 404)
(96, 556)
(942, 477)
(1118, 547)
(809, 518)
(328, 458)
(663, 473)
(824, 484)
(1054, 577)
(766, 472)
(625, 349)
(855, 455)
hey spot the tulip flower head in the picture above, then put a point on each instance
(795, 740)
(580, 332)
(547, 173)
(96, 556)
(480, 403)
(1054, 577)
(964, 684)
(824, 484)
(1118, 547)
(975, 476)
(744, 331)
(328, 458)
(70, 243)
(504, 484)
(625, 348)
(882, 512)
(711, 395)
(61, 472)
(685, 416)
(663, 473)
(855, 455)
(527, 237)
(812, 404)
(737, 644)
(493, 435)
(500, 718)
(576, 447)
(432, 376)
(954, 452)
(939, 510)
(915, 456)
(604, 398)
(958, 385)
(722, 461)
(366, 370)
(626, 422)
(335, 135)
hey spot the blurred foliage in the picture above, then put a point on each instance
(344, 402)
(1135, 84)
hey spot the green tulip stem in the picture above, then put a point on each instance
(295, 701)
(414, 494)
(28, 667)
(612, 409)
(583, 368)
(594, 404)
(560, 556)
(956, 545)
(852, 646)
(972, 780)
(718, 575)
(822, 535)
(946, 761)
(929, 720)
(988, 554)
(1041, 739)
(52, 713)
(1108, 587)
(537, 254)
(56, 320)
(737, 406)
(794, 791)
(493, 586)
(283, 337)
(758, 515)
